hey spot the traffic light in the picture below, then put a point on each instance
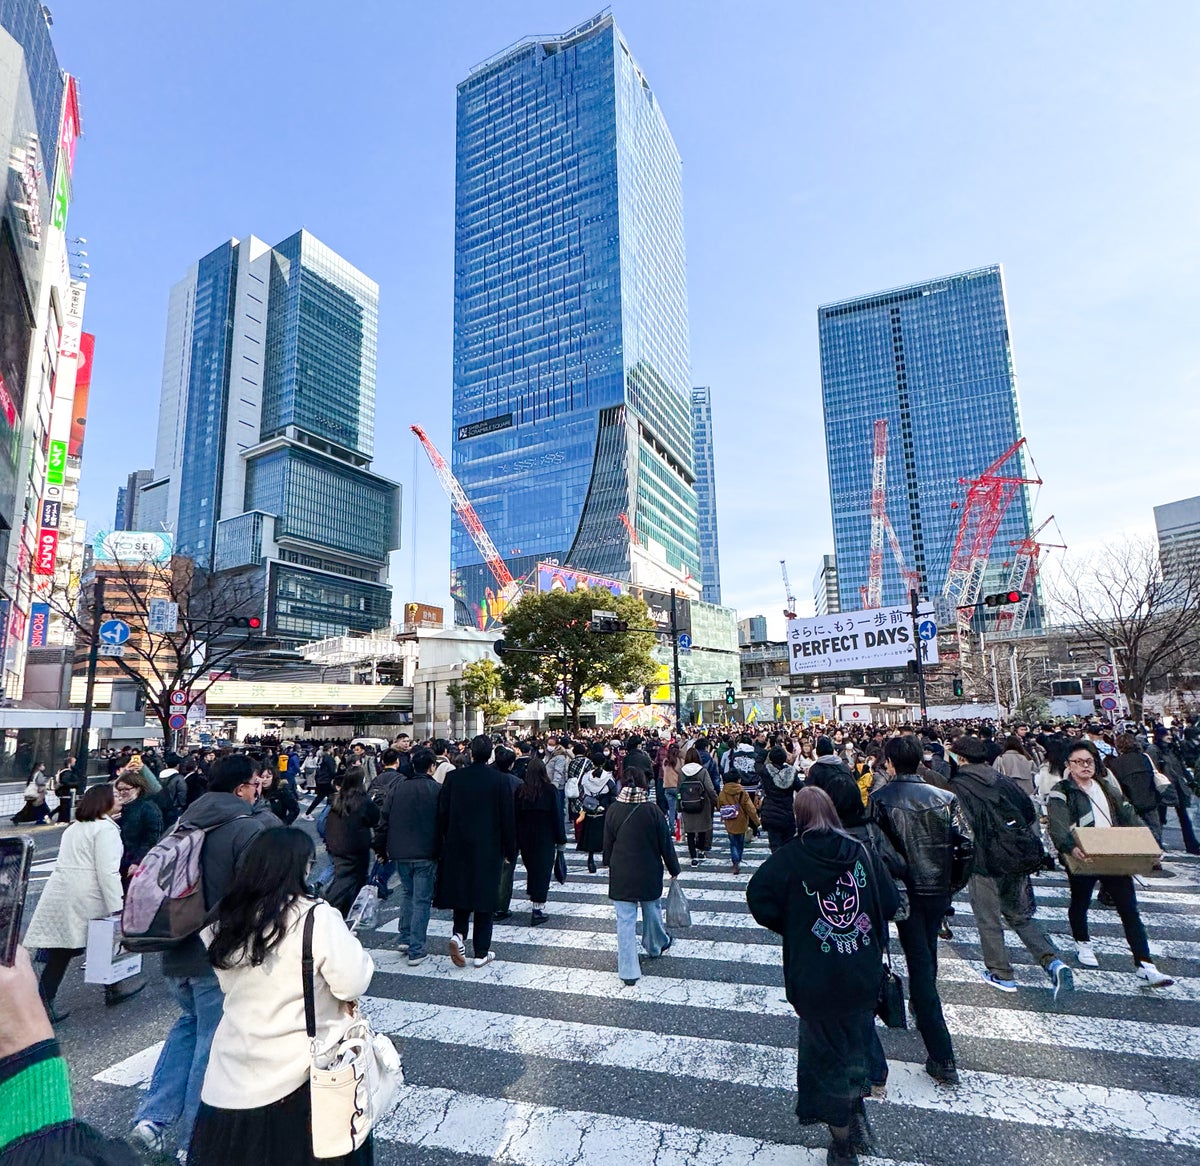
(1002, 598)
(958, 686)
(730, 694)
(250, 622)
(608, 625)
(647, 695)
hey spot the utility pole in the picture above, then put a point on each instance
(912, 596)
(675, 658)
(85, 726)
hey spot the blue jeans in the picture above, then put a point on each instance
(174, 1094)
(737, 846)
(672, 809)
(416, 900)
(654, 935)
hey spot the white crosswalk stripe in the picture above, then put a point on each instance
(514, 1063)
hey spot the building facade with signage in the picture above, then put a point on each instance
(572, 425)
(706, 496)
(266, 435)
(934, 360)
(45, 358)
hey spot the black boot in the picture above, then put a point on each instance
(537, 918)
(591, 864)
(841, 1153)
(124, 990)
(56, 1014)
(943, 1072)
(861, 1137)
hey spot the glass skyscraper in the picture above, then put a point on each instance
(706, 495)
(266, 433)
(572, 404)
(934, 360)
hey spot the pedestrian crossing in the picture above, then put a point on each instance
(544, 1058)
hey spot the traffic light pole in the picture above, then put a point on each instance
(85, 724)
(675, 658)
(912, 595)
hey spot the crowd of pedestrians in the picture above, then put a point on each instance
(869, 831)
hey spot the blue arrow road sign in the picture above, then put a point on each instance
(927, 629)
(114, 631)
(685, 642)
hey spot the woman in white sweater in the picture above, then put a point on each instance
(255, 1106)
(84, 885)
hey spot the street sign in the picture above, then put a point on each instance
(1108, 703)
(927, 630)
(685, 642)
(117, 650)
(177, 720)
(178, 697)
(1103, 686)
(164, 616)
(114, 631)
(1104, 669)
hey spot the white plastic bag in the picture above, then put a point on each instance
(364, 912)
(679, 915)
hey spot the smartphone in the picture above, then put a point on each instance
(16, 855)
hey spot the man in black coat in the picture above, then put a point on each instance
(476, 833)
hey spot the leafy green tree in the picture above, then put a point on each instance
(481, 689)
(564, 658)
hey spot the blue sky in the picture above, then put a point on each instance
(829, 150)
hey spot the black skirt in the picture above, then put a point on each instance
(833, 1066)
(279, 1134)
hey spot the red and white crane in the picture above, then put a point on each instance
(789, 612)
(988, 499)
(872, 593)
(1022, 577)
(509, 588)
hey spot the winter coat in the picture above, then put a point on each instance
(830, 899)
(636, 846)
(699, 821)
(85, 884)
(1135, 775)
(348, 835)
(476, 833)
(739, 766)
(598, 784)
(539, 822)
(1019, 768)
(381, 786)
(779, 787)
(922, 822)
(282, 800)
(407, 831)
(1069, 806)
(981, 789)
(822, 770)
(732, 794)
(141, 827)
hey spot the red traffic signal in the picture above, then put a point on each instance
(1003, 598)
(246, 621)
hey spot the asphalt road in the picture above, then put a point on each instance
(545, 1058)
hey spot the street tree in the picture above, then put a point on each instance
(559, 655)
(191, 658)
(1121, 599)
(481, 689)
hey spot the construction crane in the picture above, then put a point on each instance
(789, 612)
(988, 499)
(872, 593)
(509, 588)
(1022, 577)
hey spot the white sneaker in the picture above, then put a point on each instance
(458, 951)
(149, 1135)
(1086, 955)
(1153, 976)
(482, 961)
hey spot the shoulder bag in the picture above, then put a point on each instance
(890, 1006)
(353, 1081)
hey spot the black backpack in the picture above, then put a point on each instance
(1005, 844)
(691, 795)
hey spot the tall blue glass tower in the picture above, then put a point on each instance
(934, 360)
(572, 405)
(706, 495)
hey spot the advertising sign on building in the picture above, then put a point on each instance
(423, 615)
(551, 577)
(72, 328)
(83, 386)
(133, 546)
(39, 624)
(659, 603)
(46, 554)
(856, 641)
(812, 707)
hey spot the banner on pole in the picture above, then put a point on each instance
(853, 641)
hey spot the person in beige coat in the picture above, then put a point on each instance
(84, 885)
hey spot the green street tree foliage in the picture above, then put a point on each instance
(481, 689)
(572, 658)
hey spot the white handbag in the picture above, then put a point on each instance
(353, 1081)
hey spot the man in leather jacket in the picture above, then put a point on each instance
(927, 827)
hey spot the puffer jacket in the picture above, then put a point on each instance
(924, 824)
(732, 794)
(778, 787)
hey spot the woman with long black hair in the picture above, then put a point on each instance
(349, 830)
(255, 1108)
(831, 900)
(540, 831)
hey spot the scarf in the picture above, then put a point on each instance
(631, 793)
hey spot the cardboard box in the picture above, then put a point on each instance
(1115, 850)
(107, 961)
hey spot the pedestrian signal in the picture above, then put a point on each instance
(730, 694)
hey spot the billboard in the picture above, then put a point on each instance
(422, 615)
(659, 603)
(133, 546)
(811, 707)
(83, 384)
(551, 577)
(39, 623)
(860, 640)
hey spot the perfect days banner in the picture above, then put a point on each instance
(856, 640)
